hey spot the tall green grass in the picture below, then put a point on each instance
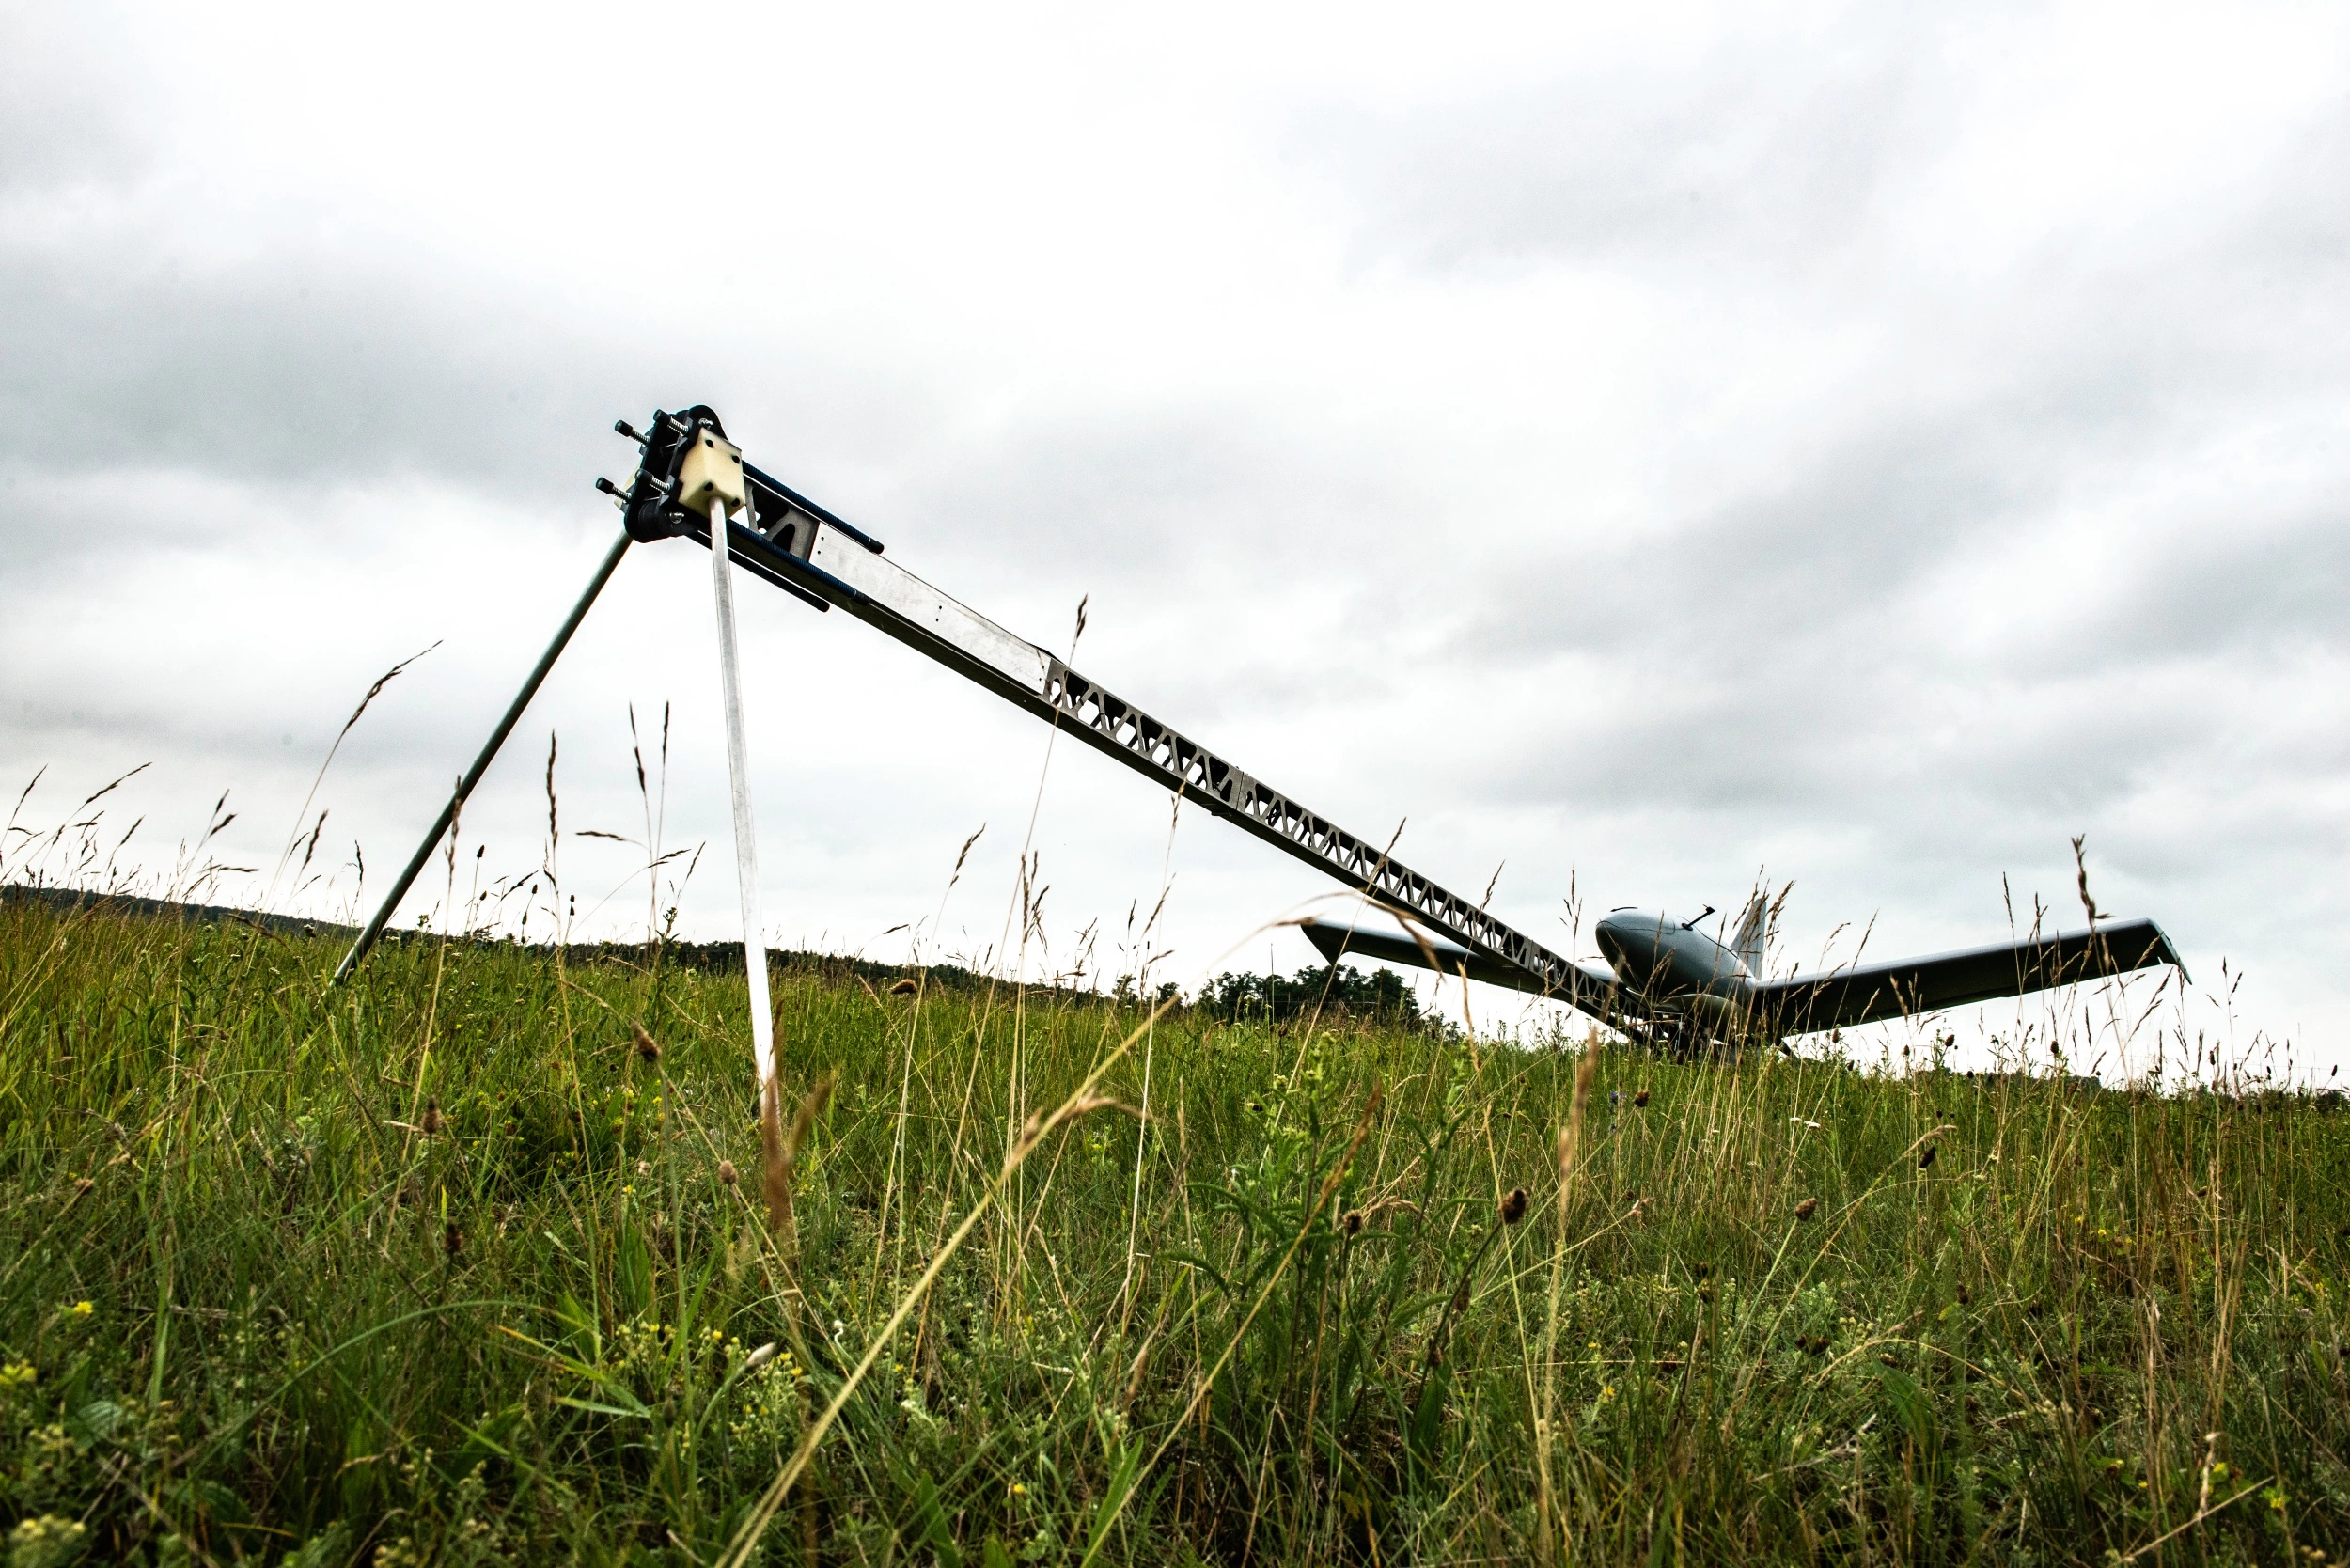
(448, 1267)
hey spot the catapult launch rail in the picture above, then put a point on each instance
(797, 545)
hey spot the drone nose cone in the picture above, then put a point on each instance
(1629, 939)
(1623, 924)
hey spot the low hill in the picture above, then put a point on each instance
(469, 1263)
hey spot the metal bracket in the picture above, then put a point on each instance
(652, 508)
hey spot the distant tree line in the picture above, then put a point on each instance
(1334, 990)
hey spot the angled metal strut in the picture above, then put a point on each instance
(374, 928)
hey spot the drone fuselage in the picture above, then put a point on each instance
(1672, 965)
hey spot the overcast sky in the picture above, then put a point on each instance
(1664, 447)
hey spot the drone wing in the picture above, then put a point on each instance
(1595, 990)
(1863, 993)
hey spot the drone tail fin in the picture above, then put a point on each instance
(1754, 930)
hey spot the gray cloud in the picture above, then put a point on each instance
(1193, 489)
(65, 119)
(291, 370)
(1749, 156)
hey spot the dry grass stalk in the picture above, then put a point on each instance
(775, 1180)
(781, 1151)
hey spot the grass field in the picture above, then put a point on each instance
(460, 1266)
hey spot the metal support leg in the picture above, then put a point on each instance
(745, 829)
(353, 959)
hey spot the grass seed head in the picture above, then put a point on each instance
(810, 1108)
(647, 1046)
(1351, 1221)
(431, 1124)
(1641, 1098)
(728, 1175)
(1513, 1205)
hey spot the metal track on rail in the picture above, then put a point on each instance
(797, 545)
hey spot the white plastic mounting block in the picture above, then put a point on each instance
(712, 471)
